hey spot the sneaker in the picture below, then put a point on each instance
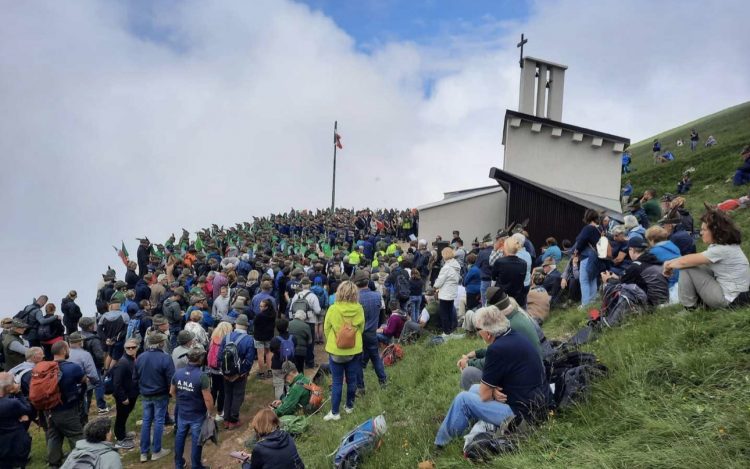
(219, 418)
(160, 454)
(130, 435)
(144, 457)
(348, 410)
(103, 411)
(331, 416)
(124, 444)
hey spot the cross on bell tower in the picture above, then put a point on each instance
(520, 45)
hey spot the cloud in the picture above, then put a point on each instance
(119, 122)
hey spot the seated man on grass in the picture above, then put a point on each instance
(394, 325)
(297, 397)
(416, 329)
(513, 381)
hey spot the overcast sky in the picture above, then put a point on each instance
(122, 119)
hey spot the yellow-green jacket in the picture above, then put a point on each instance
(337, 314)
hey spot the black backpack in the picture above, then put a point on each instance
(572, 373)
(231, 362)
(113, 330)
(486, 446)
(26, 315)
(402, 286)
(51, 330)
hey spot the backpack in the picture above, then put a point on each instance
(403, 289)
(26, 316)
(571, 373)
(101, 302)
(113, 330)
(51, 330)
(300, 304)
(231, 363)
(391, 354)
(44, 391)
(316, 396)
(134, 329)
(213, 355)
(108, 383)
(84, 459)
(286, 350)
(321, 294)
(485, 446)
(358, 443)
(347, 336)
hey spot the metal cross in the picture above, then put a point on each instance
(520, 44)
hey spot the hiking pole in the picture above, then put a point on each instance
(321, 406)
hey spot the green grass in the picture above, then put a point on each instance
(678, 392)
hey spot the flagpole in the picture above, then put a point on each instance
(333, 188)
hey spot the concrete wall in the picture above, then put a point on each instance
(474, 218)
(562, 163)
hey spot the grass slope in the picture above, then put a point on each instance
(678, 394)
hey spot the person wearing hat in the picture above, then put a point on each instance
(71, 312)
(235, 380)
(742, 175)
(83, 358)
(307, 301)
(538, 301)
(297, 396)
(191, 388)
(185, 341)
(142, 255)
(93, 344)
(112, 328)
(14, 345)
(154, 370)
(172, 311)
(645, 271)
(125, 393)
(303, 339)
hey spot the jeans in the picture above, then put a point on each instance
(62, 424)
(195, 449)
(483, 290)
(234, 396)
(414, 303)
(310, 358)
(370, 351)
(154, 411)
(588, 285)
(468, 407)
(383, 339)
(352, 369)
(121, 418)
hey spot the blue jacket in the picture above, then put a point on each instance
(473, 280)
(154, 370)
(483, 261)
(245, 348)
(666, 251)
(142, 291)
(553, 252)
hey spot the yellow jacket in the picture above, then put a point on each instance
(335, 317)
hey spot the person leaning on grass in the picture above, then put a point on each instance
(719, 276)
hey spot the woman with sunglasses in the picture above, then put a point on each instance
(125, 393)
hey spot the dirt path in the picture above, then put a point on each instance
(258, 394)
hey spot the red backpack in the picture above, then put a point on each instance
(391, 354)
(213, 355)
(44, 389)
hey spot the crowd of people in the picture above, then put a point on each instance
(190, 319)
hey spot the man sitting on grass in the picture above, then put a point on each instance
(297, 396)
(513, 381)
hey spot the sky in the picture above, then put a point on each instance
(122, 119)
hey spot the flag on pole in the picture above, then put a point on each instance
(199, 244)
(122, 253)
(337, 141)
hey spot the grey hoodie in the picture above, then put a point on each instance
(106, 454)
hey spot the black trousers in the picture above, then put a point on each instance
(299, 362)
(123, 412)
(234, 396)
(473, 300)
(447, 316)
(310, 358)
(217, 391)
(71, 326)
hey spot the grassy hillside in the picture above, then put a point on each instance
(678, 394)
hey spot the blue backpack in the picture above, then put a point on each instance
(357, 444)
(321, 294)
(287, 348)
(134, 328)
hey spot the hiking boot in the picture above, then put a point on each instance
(348, 410)
(331, 416)
(144, 457)
(160, 454)
(124, 444)
(103, 411)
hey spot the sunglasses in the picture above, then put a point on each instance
(130, 348)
